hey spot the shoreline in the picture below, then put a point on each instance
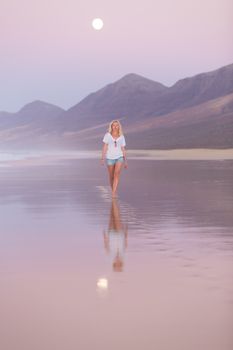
(183, 154)
(15, 158)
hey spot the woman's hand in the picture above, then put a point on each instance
(125, 165)
(102, 161)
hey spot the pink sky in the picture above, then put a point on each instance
(50, 52)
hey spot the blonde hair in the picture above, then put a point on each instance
(120, 127)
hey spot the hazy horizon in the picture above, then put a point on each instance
(54, 55)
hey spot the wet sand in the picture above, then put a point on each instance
(41, 157)
(184, 154)
(149, 270)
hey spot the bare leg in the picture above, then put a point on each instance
(116, 178)
(111, 174)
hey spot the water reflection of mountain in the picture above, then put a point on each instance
(197, 192)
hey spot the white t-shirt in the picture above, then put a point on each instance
(114, 146)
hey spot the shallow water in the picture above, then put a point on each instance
(150, 270)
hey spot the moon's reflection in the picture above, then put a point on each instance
(102, 285)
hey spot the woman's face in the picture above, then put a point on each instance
(115, 126)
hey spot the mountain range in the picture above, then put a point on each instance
(196, 112)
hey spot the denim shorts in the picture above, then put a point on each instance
(114, 161)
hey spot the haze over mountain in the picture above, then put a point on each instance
(195, 112)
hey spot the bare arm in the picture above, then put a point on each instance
(124, 155)
(104, 151)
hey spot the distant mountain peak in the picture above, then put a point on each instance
(136, 79)
(134, 82)
(224, 73)
(39, 105)
(132, 76)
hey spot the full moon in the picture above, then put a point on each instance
(97, 23)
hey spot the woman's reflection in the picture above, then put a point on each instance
(115, 239)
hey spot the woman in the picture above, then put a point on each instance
(114, 151)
